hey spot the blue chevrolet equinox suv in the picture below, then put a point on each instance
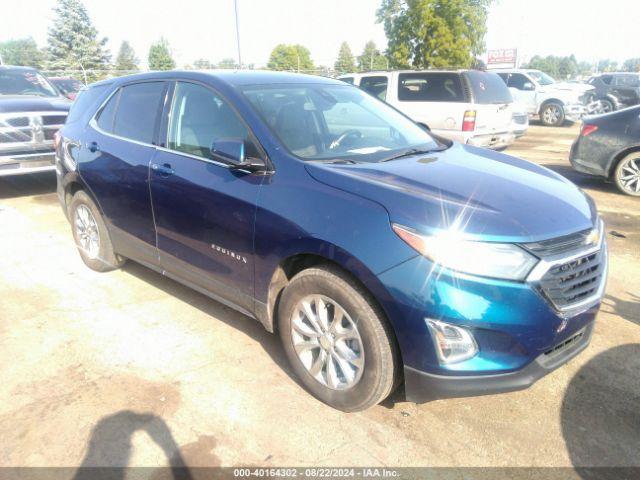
(380, 253)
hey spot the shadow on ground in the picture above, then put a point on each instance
(627, 309)
(600, 413)
(27, 185)
(217, 311)
(111, 443)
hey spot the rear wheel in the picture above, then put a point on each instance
(337, 340)
(91, 235)
(552, 114)
(627, 174)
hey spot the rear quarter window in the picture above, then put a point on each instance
(85, 102)
(431, 87)
(488, 88)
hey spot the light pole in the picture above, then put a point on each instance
(235, 4)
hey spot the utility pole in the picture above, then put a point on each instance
(235, 4)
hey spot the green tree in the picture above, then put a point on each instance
(433, 33)
(346, 62)
(21, 52)
(631, 65)
(126, 59)
(561, 68)
(160, 56)
(227, 63)
(371, 58)
(607, 65)
(73, 41)
(290, 57)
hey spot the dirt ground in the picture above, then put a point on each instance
(131, 368)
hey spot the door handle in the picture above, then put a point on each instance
(163, 170)
(93, 147)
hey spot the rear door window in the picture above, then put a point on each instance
(139, 111)
(488, 88)
(430, 87)
(376, 86)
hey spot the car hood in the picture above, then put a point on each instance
(483, 194)
(32, 103)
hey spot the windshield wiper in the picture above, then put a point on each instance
(414, 151)
(335, 161)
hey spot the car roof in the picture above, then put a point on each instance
(230, 77)
(19, 68)
(379, 72)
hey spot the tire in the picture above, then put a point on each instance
(607, 106)
(627, 174)
(372, 346)
(87, 225)
(552, 114)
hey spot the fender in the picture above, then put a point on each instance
(613, 161)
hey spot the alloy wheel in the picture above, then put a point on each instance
(87, 231)
(552, 114)
(629, 175)
(327, 342)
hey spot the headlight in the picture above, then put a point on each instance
(496, 260)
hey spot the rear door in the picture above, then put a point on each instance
(493, 102)
(120, 143)
(626, 88)
(436, 99)
(204, 211)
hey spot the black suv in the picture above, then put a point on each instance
(616, 90)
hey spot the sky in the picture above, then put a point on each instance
(206, 28)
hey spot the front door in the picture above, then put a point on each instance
(204, 211)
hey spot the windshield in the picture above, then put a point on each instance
(340, 122)
(541, 77)
(14, 82)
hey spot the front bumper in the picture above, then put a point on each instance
(27, 163)
(574, 111)
(423, 387)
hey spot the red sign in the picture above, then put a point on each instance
(505, 55)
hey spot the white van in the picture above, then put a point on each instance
(468, 106)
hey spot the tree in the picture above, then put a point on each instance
(73, 40)
(160, 56)
(227, 63)
(290, 57)
(433, 33)
(631, 65)
(21, 52)
(607, 65)
(126, 59)
(345, 62)
(371, 58)
(203, 64)
(558, 67)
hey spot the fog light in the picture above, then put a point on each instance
(453, 344)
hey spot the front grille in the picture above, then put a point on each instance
(555, 246)
(30, 130)
(576, 280)
(568, 343)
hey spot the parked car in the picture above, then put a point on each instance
(550, 101)
(377, 251)
(609, 146)
(31, 111)
(68, 86)
(616, 90)
(467, 106)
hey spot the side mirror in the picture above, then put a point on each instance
(231, 152)
(528, 86)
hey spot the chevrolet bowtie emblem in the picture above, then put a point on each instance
(593, 237)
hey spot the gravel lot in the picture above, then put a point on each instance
(130, 368)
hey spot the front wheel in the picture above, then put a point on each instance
(91, 235)
(627, 174)
(552, 115)
(337, 340)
